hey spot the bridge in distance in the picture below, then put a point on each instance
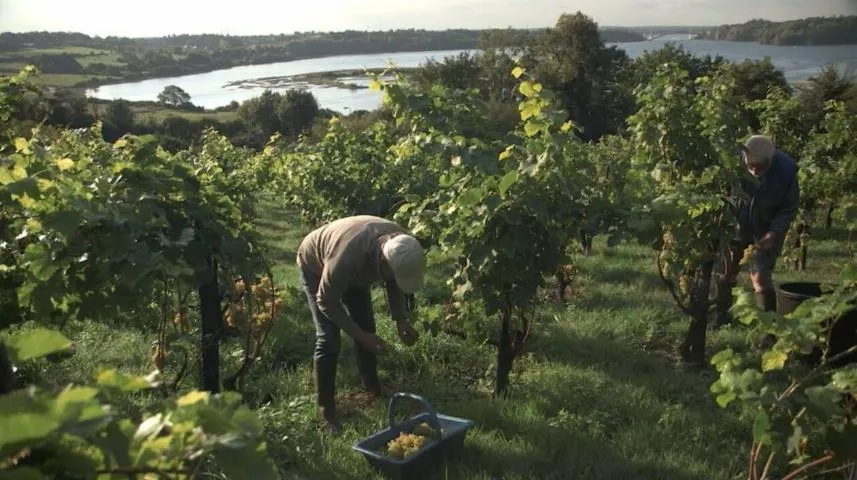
(656, 32)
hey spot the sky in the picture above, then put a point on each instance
(247, 17)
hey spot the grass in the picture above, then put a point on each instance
(67, 79)
(13, 62)
(158, 114)
(597, 395)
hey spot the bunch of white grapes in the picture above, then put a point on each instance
(407, 444)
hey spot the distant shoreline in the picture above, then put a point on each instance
(95, 83)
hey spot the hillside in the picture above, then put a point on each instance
(841, 30)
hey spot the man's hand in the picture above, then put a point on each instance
(373, 343)
(407, 334)
(767, 242)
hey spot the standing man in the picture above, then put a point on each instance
(763, 220)
(338, 264)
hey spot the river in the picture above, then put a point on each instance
(210, 89)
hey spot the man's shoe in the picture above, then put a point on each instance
(325, 385)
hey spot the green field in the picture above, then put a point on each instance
(598, 394)
(13, 62)
(75, 51)
(157, 114)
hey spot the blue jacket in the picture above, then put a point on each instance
(773, 201)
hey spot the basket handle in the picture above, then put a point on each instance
(433, 421)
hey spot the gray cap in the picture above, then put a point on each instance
(760, 149)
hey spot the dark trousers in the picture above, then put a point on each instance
(328, 343)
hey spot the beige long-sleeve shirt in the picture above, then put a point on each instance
(346, 253)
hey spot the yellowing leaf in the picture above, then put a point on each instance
(125, 382)
(505, 154)
(773, 360)
(517, 72)
(19, 172)
(526, 88)
(34, 225)
(120, 143)
(374, 85)
(64, 163)
(27, 201)
(532, 128)
(21, 145)
(530, 110)
(566, 126)
(537, 87)
(191, 398)
(6, 176)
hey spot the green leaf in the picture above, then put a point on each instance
(79, 411)
(21, 473)
(115, 443)
(470, 197)
(725, 399)
(507, 181)
(39, 262)
(725, 359)
(846, 380)
(24, 418)
(36, 343)
(773, 360)
(240, 461)
(64, 221)
(826, 398)
(762, 428)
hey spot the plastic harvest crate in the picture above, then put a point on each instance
(427, 461)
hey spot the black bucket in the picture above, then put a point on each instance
(843, 334)
(790, 295)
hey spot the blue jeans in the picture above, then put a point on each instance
(358, 303)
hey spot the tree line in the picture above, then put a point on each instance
(836, 30)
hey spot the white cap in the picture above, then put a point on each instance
(407, 260)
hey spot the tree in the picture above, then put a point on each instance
(593, 81)
(296, 111)
(174, 96)
(120, 118)
(289, 114)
